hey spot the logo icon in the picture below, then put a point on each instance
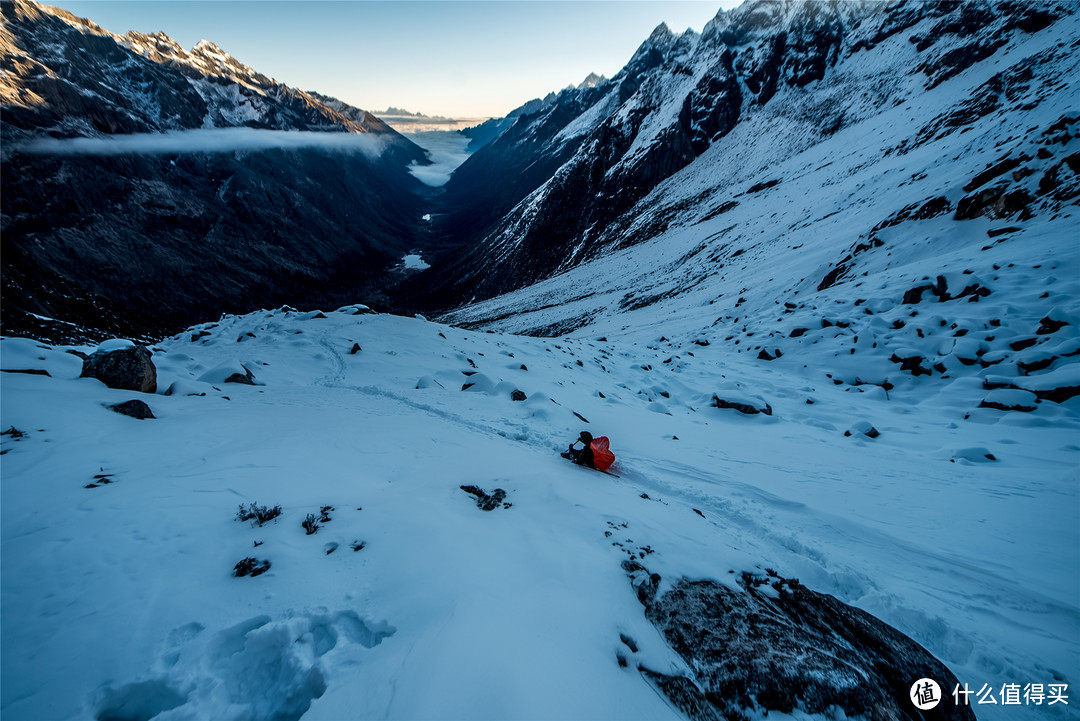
(925, 694)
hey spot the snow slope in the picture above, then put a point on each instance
(119, 599)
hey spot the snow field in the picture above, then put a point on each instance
(123, 593)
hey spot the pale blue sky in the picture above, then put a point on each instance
(449, 57)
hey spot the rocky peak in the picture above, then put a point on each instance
(591, 81)
(661, 34)
(212, 60)
(158, 46)
(28, 10)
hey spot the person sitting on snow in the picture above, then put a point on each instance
(584, 456)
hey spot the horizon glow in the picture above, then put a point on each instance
(454, 58)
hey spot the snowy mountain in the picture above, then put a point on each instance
(814, 272)
(931, 236)
(139, 242)
(67, 76)
(591, 81)
(580, 174)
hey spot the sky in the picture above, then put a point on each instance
(453, 58)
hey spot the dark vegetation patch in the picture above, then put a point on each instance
(486, 502)
(258, 515)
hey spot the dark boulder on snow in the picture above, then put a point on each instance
(518, 395)
(1056, 386)
(862, 428)
(995, 202)
(773, 645)
(1049, 325)
(742, 402)
(245, 378)
(133, 409)
(1010, 399)
(912, 363)
(27, 371)
(129, 369)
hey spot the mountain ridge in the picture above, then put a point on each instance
(231, 223)
(677, 96)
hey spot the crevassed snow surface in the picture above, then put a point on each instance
(120, 598)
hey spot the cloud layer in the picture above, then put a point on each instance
(210, 140)
(446, 150)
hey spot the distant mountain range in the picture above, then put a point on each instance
(149, 243)
(392, 111)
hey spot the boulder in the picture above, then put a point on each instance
(134, 409)
(1058, 386)
(518, 395)
(129, 369)
(187, 388)
(245, 378)
(995, 202)
(742, 402)
(1010, 399)
(771, 644)
(862, 428)
(911, 363)
(229, 372)
(975, 454)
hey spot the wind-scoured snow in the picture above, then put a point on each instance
(411, 602)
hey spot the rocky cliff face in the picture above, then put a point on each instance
(143, 244)
(565, 182)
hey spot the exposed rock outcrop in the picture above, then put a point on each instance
(129, 369)
(771, 644)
